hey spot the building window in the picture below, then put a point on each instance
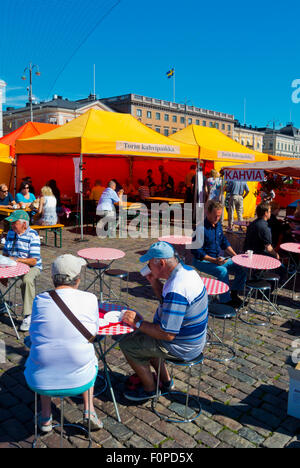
(190, 121)
(182, 120)
(197, 122)
(257, 145)
(174, 118)
(157, 129)
(229, 127)
(139, 112)
(166, 117)
(174, 130)
(216, 125)
(223, 126)
(211, 124)
(157, 115)
(204, 123)
(166, 131)
(149, 115)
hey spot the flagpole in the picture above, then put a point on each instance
(174, 87)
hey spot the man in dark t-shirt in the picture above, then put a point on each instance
(258, 236)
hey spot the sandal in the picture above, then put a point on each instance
(96, 424)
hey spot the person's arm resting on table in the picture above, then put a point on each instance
(152, 329)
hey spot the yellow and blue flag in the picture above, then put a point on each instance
(170, 73)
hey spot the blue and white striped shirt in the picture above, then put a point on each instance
(26, 245)
(184, 312)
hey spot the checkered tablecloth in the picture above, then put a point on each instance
(101, 253)
(214, 286)
(178, 240)
(257, 262)
(115, 328)
(293, 247)
(11, 272)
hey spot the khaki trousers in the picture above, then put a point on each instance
(235, 203)
(28, 289)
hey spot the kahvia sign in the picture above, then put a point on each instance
(242, 175)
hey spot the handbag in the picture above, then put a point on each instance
(74, 320)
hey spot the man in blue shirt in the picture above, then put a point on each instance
(179, 326)
(208, 260)
(106, 208)
(238, 191)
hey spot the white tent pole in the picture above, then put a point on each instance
(81, 197)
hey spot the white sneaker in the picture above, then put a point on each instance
(26, 323)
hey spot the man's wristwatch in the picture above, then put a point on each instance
(138, 323)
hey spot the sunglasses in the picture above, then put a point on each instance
(27, 186)
(4, 191)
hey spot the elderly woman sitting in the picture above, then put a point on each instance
(61, 360)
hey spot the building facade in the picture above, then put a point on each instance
(248, 136)
(167, 117)
(282, 142)
(2, 99)
(58, 111)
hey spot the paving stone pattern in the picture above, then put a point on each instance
(244, 401)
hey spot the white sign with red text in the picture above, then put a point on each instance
(244, 175)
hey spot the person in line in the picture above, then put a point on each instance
(179, 325)
(207, 259)
(106, 206)
(61, 360)
(46, 213)
(213, 186)
(143, 189)
(238, 191)
(23, 245)
(24, 197)
(97, 191)
(6, 198)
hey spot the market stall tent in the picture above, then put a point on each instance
(29, 129)
(218, 150)
(113, 145)
(6, 166)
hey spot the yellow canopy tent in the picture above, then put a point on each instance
(118, 139)
(214, 146)
(6, 167)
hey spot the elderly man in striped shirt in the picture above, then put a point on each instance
(23, 245)
(179, 325)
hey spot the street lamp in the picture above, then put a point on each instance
(29, 89)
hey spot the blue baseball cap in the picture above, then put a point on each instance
(158, 250)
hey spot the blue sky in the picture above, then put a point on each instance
(225, 54)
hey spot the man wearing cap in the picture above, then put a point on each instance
(61, 358)
(23, 245)
(179, 325)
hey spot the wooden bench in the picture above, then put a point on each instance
(56, 228)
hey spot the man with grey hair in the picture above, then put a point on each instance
(179, 325)
(24, 246)
(106, 206)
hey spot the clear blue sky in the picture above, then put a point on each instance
(224, 53)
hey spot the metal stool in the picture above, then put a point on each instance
(257, 287)
(87, 432)
(273, 278)
(123, 276)
(185, 413)
(224, 312)
(99, 268)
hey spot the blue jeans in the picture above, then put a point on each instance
(221, 272)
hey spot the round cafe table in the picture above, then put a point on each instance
(214, 287)
(100, 254)
(177, 240)
(257, 262)
(13, 272)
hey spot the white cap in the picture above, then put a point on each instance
(68, 264)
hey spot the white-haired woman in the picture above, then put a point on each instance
(213, 186)
(47, 215)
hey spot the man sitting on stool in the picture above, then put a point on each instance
(179, 325)
(207, 259)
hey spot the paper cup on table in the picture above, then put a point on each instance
(145, 271)
(250, 254)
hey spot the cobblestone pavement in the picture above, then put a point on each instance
(244, 401)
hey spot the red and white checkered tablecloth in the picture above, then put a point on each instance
(101, 253)
(113, 329)
(293, 247)
(214, 286)
(257, 262)
(11, 272)
(177, 240)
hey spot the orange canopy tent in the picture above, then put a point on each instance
(30, 129)
(6, 166)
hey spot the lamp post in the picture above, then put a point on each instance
(30, 69)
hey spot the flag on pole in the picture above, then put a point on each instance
(170, 73)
